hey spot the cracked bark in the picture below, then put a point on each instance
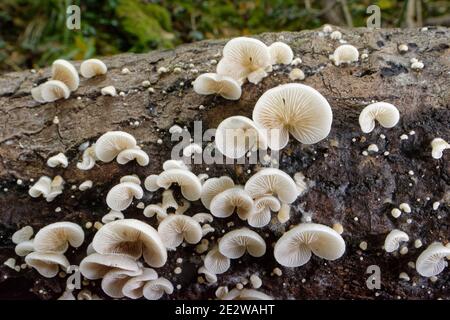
(344, 184)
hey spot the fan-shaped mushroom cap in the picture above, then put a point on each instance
(131, 178)
(438, 146)
(272, 181)
(168, 200)
(58, 160)
(246, 294)
(236, 135)
(213, 83)
(213, 187)
(294, 247)
(185, 205)
(24, 248)
(234, 244)
(155, 289)
(280, 53)
(393, 239)
(209, 276)
(110, 144)
(203, 217)
(263, 206)
(191, 149)
(345, 53)
(53, 90)
(23, 234)
(112, 215)
(385, 113)
(92, 67)
(88, 159)
(176, 228)
(216, 262)
(56, 237)
(174, 164)
(225, 203)
(41, 187)
(96, 265)
(114, 280)
(242, 57)
(296, 109)
(128, 155)
(47, 264)
(120, 196)
(153, 209)
(134, 287)
(150, 183)
(190, 185)
(37, 94)
(65, 72)
(431, 261)
(131, 237)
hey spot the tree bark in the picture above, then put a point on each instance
(344, 185)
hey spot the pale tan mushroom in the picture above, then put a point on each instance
(53, 90)
(209, 276)
(235, 243)
(213, 187)
(24, 248)
(58, 160)
(393, 240)
(155, 289)
(112, 215)
(115, 279)
(96, 265)
(431, 261)
(174, 164)
(131, 178)
(385, 113)
(110, 144)
(65, 72)
(168, 200)
(234, 199)
(213, 83)
(203, 217)
(262, 212)
(153, 209)
(92, 67)
(41, 188)
(88, 159)
(216, 262)
(134, 287)
(176, 228)
(150, 183)
(189, 183)
(438, 146)
(47, 264)
(128, 155)
(120, 196)
(56, 237)
(22, 235)
(280, 53)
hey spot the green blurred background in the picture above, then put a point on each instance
(33, 33)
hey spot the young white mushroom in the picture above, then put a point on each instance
(128, 155)
(234, 199)
(280, 53)
(176, 228)
(262, 211)
(58, 160)
(245, 58)
(120, 196)
(438, 146)
(155, 289)
(405, 207)
(153, 209)
(56, 188)
(133, 238)
(296, 246)
(53, 90)
(110, 144)
(65, 72)
(47, 264)
(150, 183)
(296, 74)
(209, 276)
(216, 262)
(284, 213)
(190, 185)
(213, 83)
(109, 91)
(431, 261)
(115, 279)
(23, 234)
(336, 35)
(134, 287)
(192, 149)
(41, 187)
(174, 164)
(213, 187)
(236, 135)
(37, 94)
(88, 159)
(345, 53)
(385, 113)
(85, 185)
(112, 215)
(235, 243)
(133, 178)
(96, 265)
(56, 237)
(24, 248)
(203, 217)
(92, 67)
(296, 109)
(272, 181)
(393, 240)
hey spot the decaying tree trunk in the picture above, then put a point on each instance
(344, 185)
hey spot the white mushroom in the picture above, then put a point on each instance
(112, 215)
(234, 244)
(216, 262)
(153, 209)
(85, 185)
(244, 58)
(41, 187)
(47, 264)
(431, 261)
(22, 235)
(120, 196)
(246, 294)
(284, 213)
(92, 67)
(58, 160)
(128, 155)
(174, 164)
(438, 146)
(189, 183)
(296, 109)
(110, 144)
(213, 83)
(65, 72)
(336, 35)
(185, 205)
(203, 217)
(213, 187)
(37, 94)
(236, 135)
(115, 279)
(155, 289)
(96, 265)
(133, 238)
(262, 213)
(134, 287)
(150, 183)
(385, 113)
(56, 237)
(272, 181)
(88, 159)
(393, 239)
(168, 200)
(109, 91)
(176, 228)
(209, 276)
(56, 188)
(53, 90)
(294, 248)
(345, 53)
(192, 149)
(225, 203)
(131, 178)
(24, 248)
(280, 53)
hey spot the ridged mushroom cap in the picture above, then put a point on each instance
(23, 234)
(272, 181)
(235, 243)
(294, 247)
(37, 94)
(385, 113)
(59, 159)
(213, 187)
(155, 289)
(133, 238)
(131, 178)
(203, 217)
(110, 144)
(190, 185)
(153, 209)
(213, 83)
(262, 212)
(280, 53)
(174, 164)
(216, 262)
(128, 155)
(296, 109)
(438, 146)
(92, 67)
(88, 159)
(53, 90)
(112, 215)
(345, 53)
(120, 196)
(96, 265)
(24, 248)
(41, 187)
(56, 237)
(115, 279)
(431, 261)
(150, 183)
(209, 276)
(134, 287)
(176, 228)
(225, 203)
(65, 72)
(393, 239)
(47, 264)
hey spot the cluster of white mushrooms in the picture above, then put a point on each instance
(124, 252)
